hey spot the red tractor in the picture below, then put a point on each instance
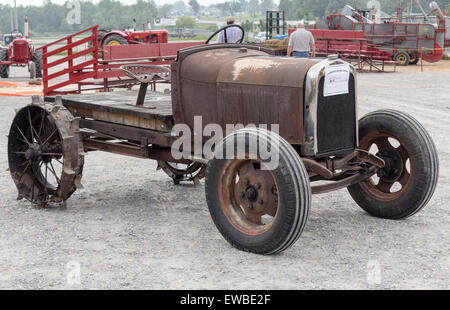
(133, 36)
(20, 53)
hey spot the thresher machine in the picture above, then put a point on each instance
(407, 40)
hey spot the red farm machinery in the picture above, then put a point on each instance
(406, 40)
(20, 51)
(132, 36)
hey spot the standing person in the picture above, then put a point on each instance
(301, 42)
(234, 34)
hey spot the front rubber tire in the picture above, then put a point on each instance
(117, 39)
(4, 69)
(293, 190)
(424, 166)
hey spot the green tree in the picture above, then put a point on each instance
(212, 28)
(195, 6)
(165, 10)
(254, 7)
(185, 22)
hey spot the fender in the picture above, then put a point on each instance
(120, 33)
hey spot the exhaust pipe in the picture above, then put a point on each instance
(26, 33)
(436, 10)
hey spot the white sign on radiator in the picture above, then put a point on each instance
(336, 80)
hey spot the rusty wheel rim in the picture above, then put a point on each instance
(392, 181)
(38, 157)
(248, 196)
(44, 154)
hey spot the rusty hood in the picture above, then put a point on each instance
(245, 66)
(266, 70)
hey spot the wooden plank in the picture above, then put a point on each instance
(119, 107)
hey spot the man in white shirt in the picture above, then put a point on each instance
(301, 42)
(234, 34)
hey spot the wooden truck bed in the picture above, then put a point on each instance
(120, 108)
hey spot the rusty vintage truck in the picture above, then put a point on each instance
(386, 159)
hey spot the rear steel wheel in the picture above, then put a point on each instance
(45, 154)
(408, 180)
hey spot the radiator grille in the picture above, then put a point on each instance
(336, 121)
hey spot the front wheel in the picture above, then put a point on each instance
(409, 178)
(402, 58)
(257, 206)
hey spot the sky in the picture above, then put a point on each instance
(158, 2)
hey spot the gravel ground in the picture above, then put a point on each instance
(131, 228)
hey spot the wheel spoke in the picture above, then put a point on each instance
(52, 169)
(271, 209)
(403, 153)
(46, 182)
(404, 178)
(26, 168)
(59, 161)
(48, 139)
(31, 125)
(384, 186)
(24, 138)
(42, 123)
(237, 193)
(246, 168)
(252, 217)
(382, 143)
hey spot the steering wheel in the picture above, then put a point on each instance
(225, 34)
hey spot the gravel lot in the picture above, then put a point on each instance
(131, 228)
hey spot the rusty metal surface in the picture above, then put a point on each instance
(248, 196)
(353, 168)
(191, 171)
(146, 73)
(43, 136)
(236, 85)
(396, 170)
(340, 184)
